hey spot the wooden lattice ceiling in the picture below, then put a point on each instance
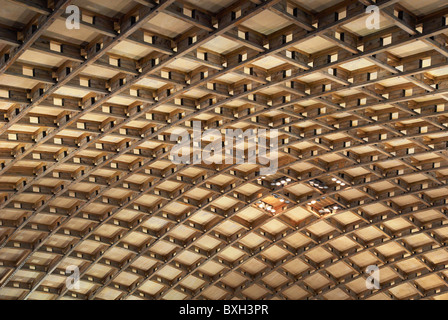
(86, 117)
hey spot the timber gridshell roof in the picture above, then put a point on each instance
(86, 178)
